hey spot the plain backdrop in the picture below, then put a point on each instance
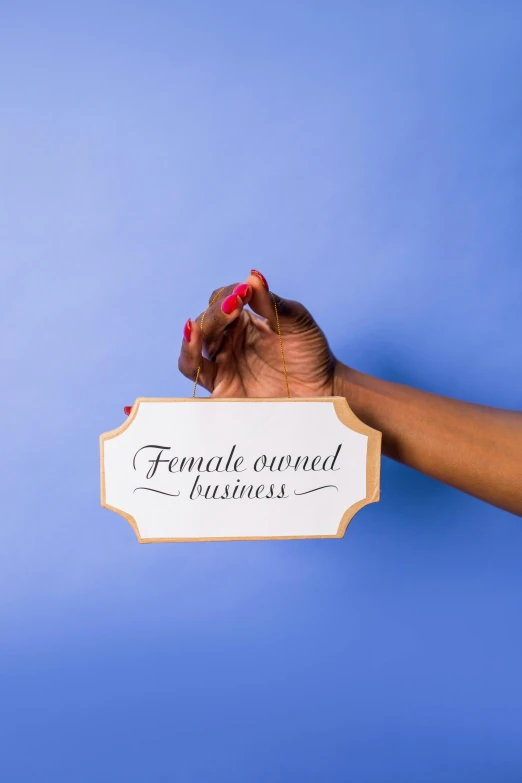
(366, 157)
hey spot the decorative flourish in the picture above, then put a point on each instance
(149, 489)
(326, 486)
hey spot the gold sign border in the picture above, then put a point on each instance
(344, 414)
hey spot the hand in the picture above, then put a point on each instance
(471, 447)
(239, 351)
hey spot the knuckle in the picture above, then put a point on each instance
(221, 293)
(295, 311)
(302, 316)
(283, 305)
(215, 293)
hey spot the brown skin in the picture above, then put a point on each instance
(474, 448)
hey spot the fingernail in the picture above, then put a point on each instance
(242, 290)
(127, 409)
(187, 329)
(229, 304)
(261, 277)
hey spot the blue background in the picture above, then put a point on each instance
(366, 157)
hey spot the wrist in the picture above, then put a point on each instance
(358, 390)
(377, 403)
(346, 383)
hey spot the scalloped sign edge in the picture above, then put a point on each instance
(345, 415)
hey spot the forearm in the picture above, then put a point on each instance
(472, 447)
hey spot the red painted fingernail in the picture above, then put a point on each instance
(187, 329)
(127, 409)
(229, 304)
(261, 277)
(242, 290)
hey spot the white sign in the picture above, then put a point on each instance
(210, 469)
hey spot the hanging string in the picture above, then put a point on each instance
(278, 326)
(201, 327)
(281, 346)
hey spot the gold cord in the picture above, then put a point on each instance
(201, 327)
(281, 346)
(278, 334)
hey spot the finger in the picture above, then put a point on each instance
(262, 302)
(191, 357)
(227, 305)
(241, 289)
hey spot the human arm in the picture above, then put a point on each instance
(474, 448)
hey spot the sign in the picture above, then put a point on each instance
(215, 469)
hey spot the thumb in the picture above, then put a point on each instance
(264, 303)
